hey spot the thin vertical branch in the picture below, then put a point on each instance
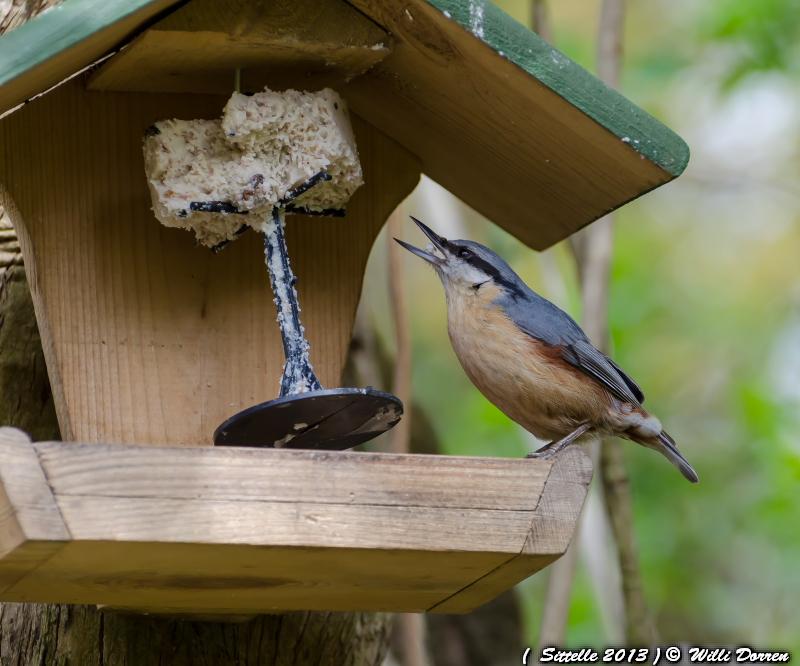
(639, 626)
(553, 627)
(561, 574)
(552, 630)
(540, 20)
(398, 298)
(593, 250)
(409, 629)
(609, 41)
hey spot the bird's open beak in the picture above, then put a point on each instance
(437, 243)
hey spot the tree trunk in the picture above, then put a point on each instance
(84, 636)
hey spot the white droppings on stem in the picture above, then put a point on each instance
(282, 281)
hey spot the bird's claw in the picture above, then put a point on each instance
(542, 455)
(552, 449)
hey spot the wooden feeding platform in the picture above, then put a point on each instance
(152, 342)
(240, 531)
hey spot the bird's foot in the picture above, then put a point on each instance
(545, 453)
(552, 449)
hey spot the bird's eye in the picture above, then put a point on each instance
(464, 253)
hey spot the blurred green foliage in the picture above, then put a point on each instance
(765, 34)
(705, 313)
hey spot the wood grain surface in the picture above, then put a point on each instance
(496, 115)
(147, 337)
(306, 44)
(473, 99)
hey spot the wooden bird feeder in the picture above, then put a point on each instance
(151, 342)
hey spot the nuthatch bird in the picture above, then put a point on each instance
(532, 360)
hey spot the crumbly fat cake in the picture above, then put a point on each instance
(203, 174)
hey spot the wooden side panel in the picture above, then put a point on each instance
(211, 531)
(282, 43)
(147, 337)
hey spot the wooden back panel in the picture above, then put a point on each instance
(147, 337)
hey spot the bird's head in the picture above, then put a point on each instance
(464, 265)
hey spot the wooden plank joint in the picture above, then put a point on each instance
(31, 526)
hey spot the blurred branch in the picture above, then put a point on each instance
(552, 629)
(401, 386)
(599, 556)
(609, 41)
(367, 363)
(593, 275)
(593, 253)
(540, 20)
(409, 628)
(639, 626)
(593, 250)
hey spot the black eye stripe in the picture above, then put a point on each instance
(482, 265)
(492, 272)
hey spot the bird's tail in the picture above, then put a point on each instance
(665, 445)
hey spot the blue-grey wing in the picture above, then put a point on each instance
(544, 321)
(541, 319)
(632, 385)
(583, 355)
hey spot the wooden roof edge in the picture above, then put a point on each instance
(59, 31)
(612, 110)
(63, 28)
